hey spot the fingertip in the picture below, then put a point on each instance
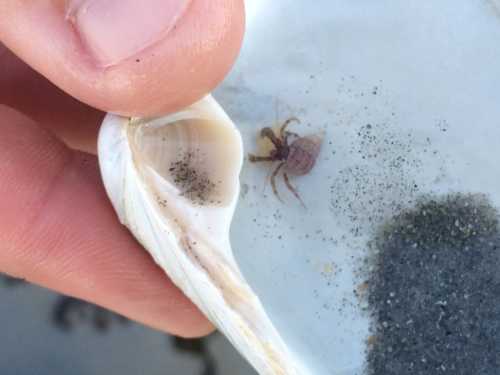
(201, 327)
(181, 67)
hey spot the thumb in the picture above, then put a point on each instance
(127, 56)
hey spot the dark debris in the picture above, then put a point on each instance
(193, 183)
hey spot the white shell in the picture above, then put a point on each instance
(174, 183)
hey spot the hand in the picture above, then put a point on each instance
(57, 227)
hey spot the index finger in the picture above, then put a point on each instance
(58, 229)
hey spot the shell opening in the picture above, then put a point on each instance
(185, 155)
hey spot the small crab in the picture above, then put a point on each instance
(298, 157)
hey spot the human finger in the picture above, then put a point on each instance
(58, 229)
(124, 56)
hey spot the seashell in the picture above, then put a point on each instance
(174, 182)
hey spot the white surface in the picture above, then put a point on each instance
(433, 66)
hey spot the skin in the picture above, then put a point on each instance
(57, 227)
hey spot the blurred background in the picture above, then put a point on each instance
(46, 333)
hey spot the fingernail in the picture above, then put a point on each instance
(114, 30)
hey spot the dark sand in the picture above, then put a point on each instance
(435, 290)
